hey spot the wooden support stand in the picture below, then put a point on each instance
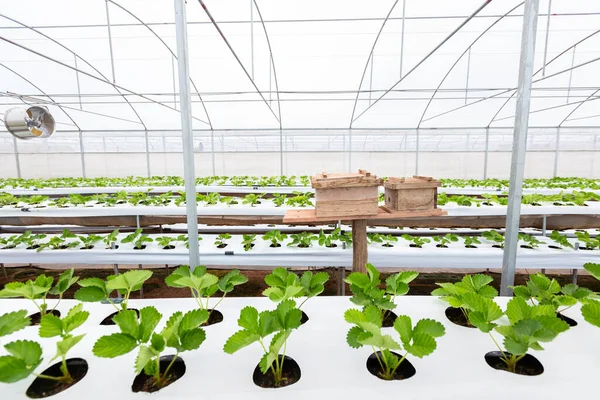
(360, 255)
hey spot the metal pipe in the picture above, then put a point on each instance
(147, 154)
(17, 161)
(417, 154)
(468, 70)
(402, 36)
(78, 86)
(252, 37)
(83, 172)
(517, 169)
(571, 74)
(485, 157)
(555, 174)
(110, 46)
(187, 134)
(547, 35)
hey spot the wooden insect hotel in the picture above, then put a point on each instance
(418, 193)
(346, 195)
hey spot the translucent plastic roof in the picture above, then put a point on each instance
(311, 64)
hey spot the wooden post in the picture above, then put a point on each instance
(359, 245)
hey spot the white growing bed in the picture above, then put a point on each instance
(330, 369)
(263, 256)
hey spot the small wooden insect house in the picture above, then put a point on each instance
(418, 193)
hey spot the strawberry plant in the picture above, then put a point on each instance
(366, 292)
(284, 285)
(89, 241)
(165, 242)
(276, 238)
(98, 290)
(444, 241)
(417, 241)
(303, 239)
(279, 199)
(305, 180)
(471, 241)
(591, 308)
(212, 198)
(257, 327)
(453, 294)
(248, 241)
(203, 284)
(328, 240)
(528, 326)
(494, 236)
(546, 291)
(531, 242)
(560, 240)
(590, 242)
(182, 333)
(138, 239)
(300, 200)
(9, 242)
(252, 199)
(32, 241)
(417, 340)
(110, 238)
(220, 241)
(25, 355)
(228, 200)
(39, 289)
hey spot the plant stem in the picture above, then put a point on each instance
(301, 304)
(393, 371)
(157, 377)
(496, 343)
(65, 369)
(383, 368)
(218, 302)
(165, 375)
(52, 378)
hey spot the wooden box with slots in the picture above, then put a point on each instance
(418, 193)
(346, 195)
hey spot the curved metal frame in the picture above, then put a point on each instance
(44, 93)
(262, 21)
(76, 55)
(461, 56)
(209, 15)
(589, 98)
(170, 51)
(369, 59)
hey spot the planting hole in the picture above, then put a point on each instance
(146, 383)
(214, 317)
(41, 387)
(404, 371)
(35, 318)
(304, 318)
(456, 316)
(389, 317)
(568, 320)
(528, 365)
(109, 320)
(291, 374)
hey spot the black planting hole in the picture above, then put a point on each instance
(441, 246)
(35, 246)
(415, 245)
(389, 317)
(291, 374)
(304, 318)
(586, 248)
(470, 246)
(497, 246)
(222, 246)
(12, 246)
(456, 316)
(387, 245)
(41, 387)
(37, 317)
(554, 247)
(87, 247)
(528, 365)
(275, 245)
(146, 383)
(404, 371)
(332, 245)
(524, 246)
(142, 247)
(304, 246)
(109, 320)
(568, 320)
(169, 247)
(214, 317)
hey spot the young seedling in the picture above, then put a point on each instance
(546, 291)
(26, 355)
(256, 327)
(9, 242)
(203, 285)
(39, 289)
(328, 240)
(471, 241)
(529, 325)
(453, 293)
(182, 333)
(138, 239)
(276, 238)
(165, 242)
(591, 308)
(303, 239)
(284, 285)
(220, 241)
(32, 241)
(212, 198)
(56, 243)
(590, 242)
(279, 199)
(444, 241)
(252, 199)
(375, 238)
(417, 241)
(531, 242)
(388, 240)
(110, 238)
(98, 290)
(89, 241)
(560, 240)
(304, 180)
(228, 200)
(418, 341)
(494, 236)
(248, 242)
(366, 292)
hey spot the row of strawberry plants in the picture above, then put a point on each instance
(533, 317)
(337, 237)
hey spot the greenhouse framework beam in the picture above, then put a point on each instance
(517, 168)
(185, 101)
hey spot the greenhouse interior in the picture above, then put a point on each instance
(382, 189)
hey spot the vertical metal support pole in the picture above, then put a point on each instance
(571, 75)
(77, 79)
(142, 287)
(402, 36)
(517, 169)
(17, 160)
(185, 101)
(110, 46)
(280, 152)
(417, 154)
(468, 71)
(371, 78)
(252, 37)
(350, 150)
(485, 157)
(147, 154)
(174, 82)
(212, 150)
(574, 277)
(555, 173)
(82, 153)
(113, 246)
(546, 41)
(544, 226)
(6, 275)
